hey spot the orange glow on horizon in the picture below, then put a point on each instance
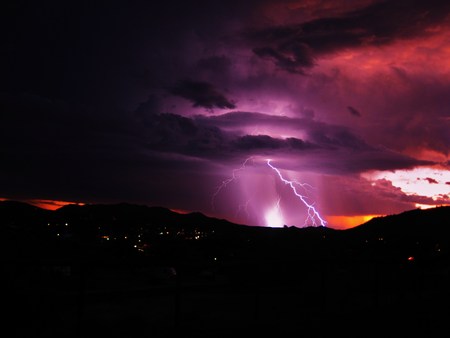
(51, 204)
(181, 211)
(45, 204)
(347, 222)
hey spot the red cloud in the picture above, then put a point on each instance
(431, 180)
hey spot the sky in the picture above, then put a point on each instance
(268, 112)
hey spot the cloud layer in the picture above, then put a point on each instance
(160, 103)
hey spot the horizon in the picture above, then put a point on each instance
(55, 205)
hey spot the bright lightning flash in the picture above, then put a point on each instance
(313, 215)
(273, 216)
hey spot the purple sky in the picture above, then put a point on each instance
(181, 106)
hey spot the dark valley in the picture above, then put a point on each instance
(85, 271)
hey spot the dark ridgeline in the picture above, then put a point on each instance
(129, 270)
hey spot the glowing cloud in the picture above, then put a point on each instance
(428, 182)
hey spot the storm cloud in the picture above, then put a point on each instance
(296, 47)
(159, 102)
(202, 94)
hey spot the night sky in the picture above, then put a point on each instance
(182, 104)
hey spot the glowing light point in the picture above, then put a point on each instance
(273, 217)
(313, 215)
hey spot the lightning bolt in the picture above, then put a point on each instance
(313, 215)
(233, 177)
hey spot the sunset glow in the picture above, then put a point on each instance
(433, 184)
(50, 204)
(347, 222)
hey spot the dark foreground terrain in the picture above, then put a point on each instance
(133, 271)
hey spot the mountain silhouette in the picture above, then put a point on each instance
(386, 277)
(417, 232)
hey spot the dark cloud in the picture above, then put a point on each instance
(178, 134)
(431, 180)
(331, 149)
(321, 134)
(381, 159)
(202, 94)
(265, 142)
(183, 135)
(147, 108)
(293, 57)
(255, 142)
(215, 64)
(295, 48)
(240, 118)
(68, 151)
(353, 111)
(344, 161)
(338, 137)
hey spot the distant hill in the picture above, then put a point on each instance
(13, 212)
(133, 214)
(414, 225)
(418, 222)
(421, 233)
(20, 213)
(412, 222)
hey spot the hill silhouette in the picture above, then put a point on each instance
(429, 227)
(423, 234)
(200, 274)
